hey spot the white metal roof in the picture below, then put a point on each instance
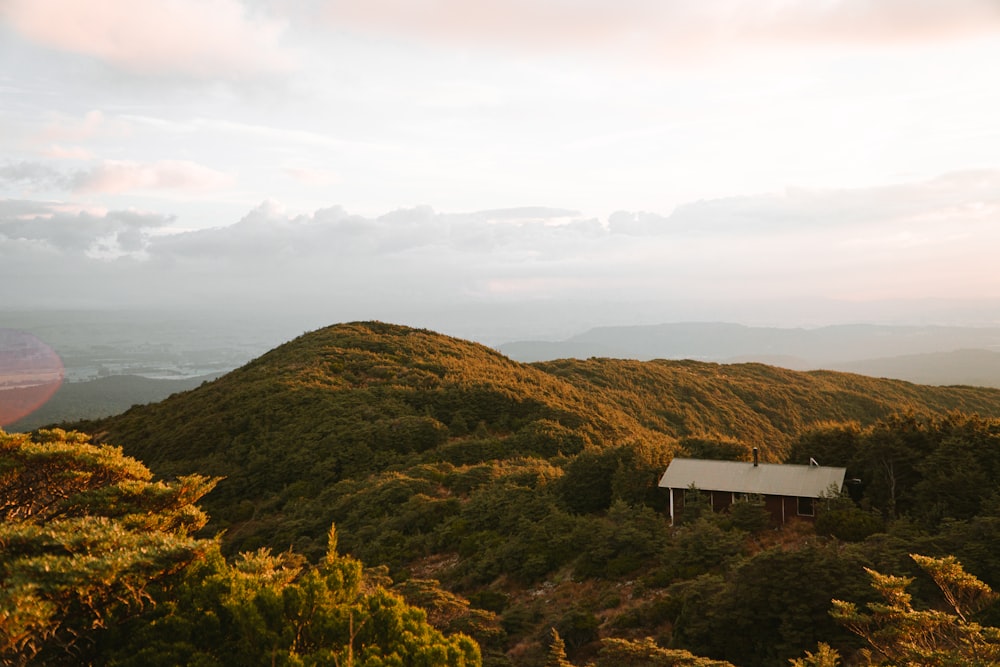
(744, 477)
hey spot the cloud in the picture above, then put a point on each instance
(957, 194)
(72, 232)
(935, 238)
(672, 29)
(113, 176)
(33, 176)
(200, 38)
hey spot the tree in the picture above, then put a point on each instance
(753, 617)
(823, 657)
(645, 653)
(265, 609)
(557, 652)
(900, 634)
(84, 533)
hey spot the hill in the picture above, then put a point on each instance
(760, 405)
(796, 348)
(528, 488)
(356, 398)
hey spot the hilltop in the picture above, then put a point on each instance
(352, 399)
(530, 489)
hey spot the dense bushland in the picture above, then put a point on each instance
(530, 491)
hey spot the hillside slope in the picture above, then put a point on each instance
(528, 488)
(353, 399)
(760, 405)
(349, 400)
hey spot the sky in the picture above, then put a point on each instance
(424, 161)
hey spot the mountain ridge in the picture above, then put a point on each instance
(863, 348)
(354, 399)
(531, 489)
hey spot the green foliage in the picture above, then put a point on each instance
(628, 539)
(265, 609)
(451, 613)
(586, 485)
(900, 634)
(353, 400)
(696, 505)
(85, 534)
(823, 657)
(507, 482)
(755, 404)
(577, 628)
(830, 443)
(850, 524)
(929, 468)
(750, 514)
(645, 653)
(767, 608)
(557, 652)
(716, 449)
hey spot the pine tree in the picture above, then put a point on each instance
(557, 652)
(84, 535)
(900, 634)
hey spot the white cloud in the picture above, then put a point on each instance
(33, 176)
(932, 239)
(201, 38)
(73, 231)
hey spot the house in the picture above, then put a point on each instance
(788, 490)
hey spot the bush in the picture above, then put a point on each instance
(848, 524)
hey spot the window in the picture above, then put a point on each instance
(806, 507)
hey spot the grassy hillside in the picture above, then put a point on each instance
(760, 405)
(530, 489)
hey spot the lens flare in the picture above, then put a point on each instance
(30, 372)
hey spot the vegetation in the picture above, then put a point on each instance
(85, 533)
(98, 566)
(899, 634)
(510, 499)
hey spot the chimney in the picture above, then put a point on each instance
(755, 456)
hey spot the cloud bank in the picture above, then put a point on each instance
(925, 239)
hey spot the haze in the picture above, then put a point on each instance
(503, 169)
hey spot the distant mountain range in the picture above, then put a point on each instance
(924, 354)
